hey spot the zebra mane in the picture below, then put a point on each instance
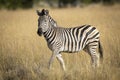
(52, 21)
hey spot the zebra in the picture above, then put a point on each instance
(71, 40)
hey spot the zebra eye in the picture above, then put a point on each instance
(45, 20)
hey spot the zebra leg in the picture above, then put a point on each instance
(51, 59)
(91, 50)
(94, 56)
(60, 59)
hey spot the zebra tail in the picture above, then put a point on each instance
(100, 50)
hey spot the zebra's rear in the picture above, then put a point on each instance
(85, 38)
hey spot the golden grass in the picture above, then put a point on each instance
(24, 55)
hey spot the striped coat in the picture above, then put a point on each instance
(70, 40)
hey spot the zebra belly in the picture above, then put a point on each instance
(72, 49)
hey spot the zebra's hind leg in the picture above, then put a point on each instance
(60, 59)
(92, 51)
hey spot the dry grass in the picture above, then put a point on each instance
(24, 55)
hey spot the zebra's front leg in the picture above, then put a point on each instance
(60, 59)
(52, 58)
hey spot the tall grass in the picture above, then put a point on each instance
(24, 55)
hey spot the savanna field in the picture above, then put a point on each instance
(24, 55)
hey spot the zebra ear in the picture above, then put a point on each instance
(38, 12)
(44, 12)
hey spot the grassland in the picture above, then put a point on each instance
(24, 55)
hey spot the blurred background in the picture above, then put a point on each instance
(14, 4)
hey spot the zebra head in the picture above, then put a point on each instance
(43, 21)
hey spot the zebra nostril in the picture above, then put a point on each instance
(39, 32)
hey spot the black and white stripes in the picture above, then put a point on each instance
(74, 39)
(77, 38)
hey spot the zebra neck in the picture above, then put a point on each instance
(50, 35)
(48, 32)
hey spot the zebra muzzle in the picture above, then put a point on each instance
(39, 32)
